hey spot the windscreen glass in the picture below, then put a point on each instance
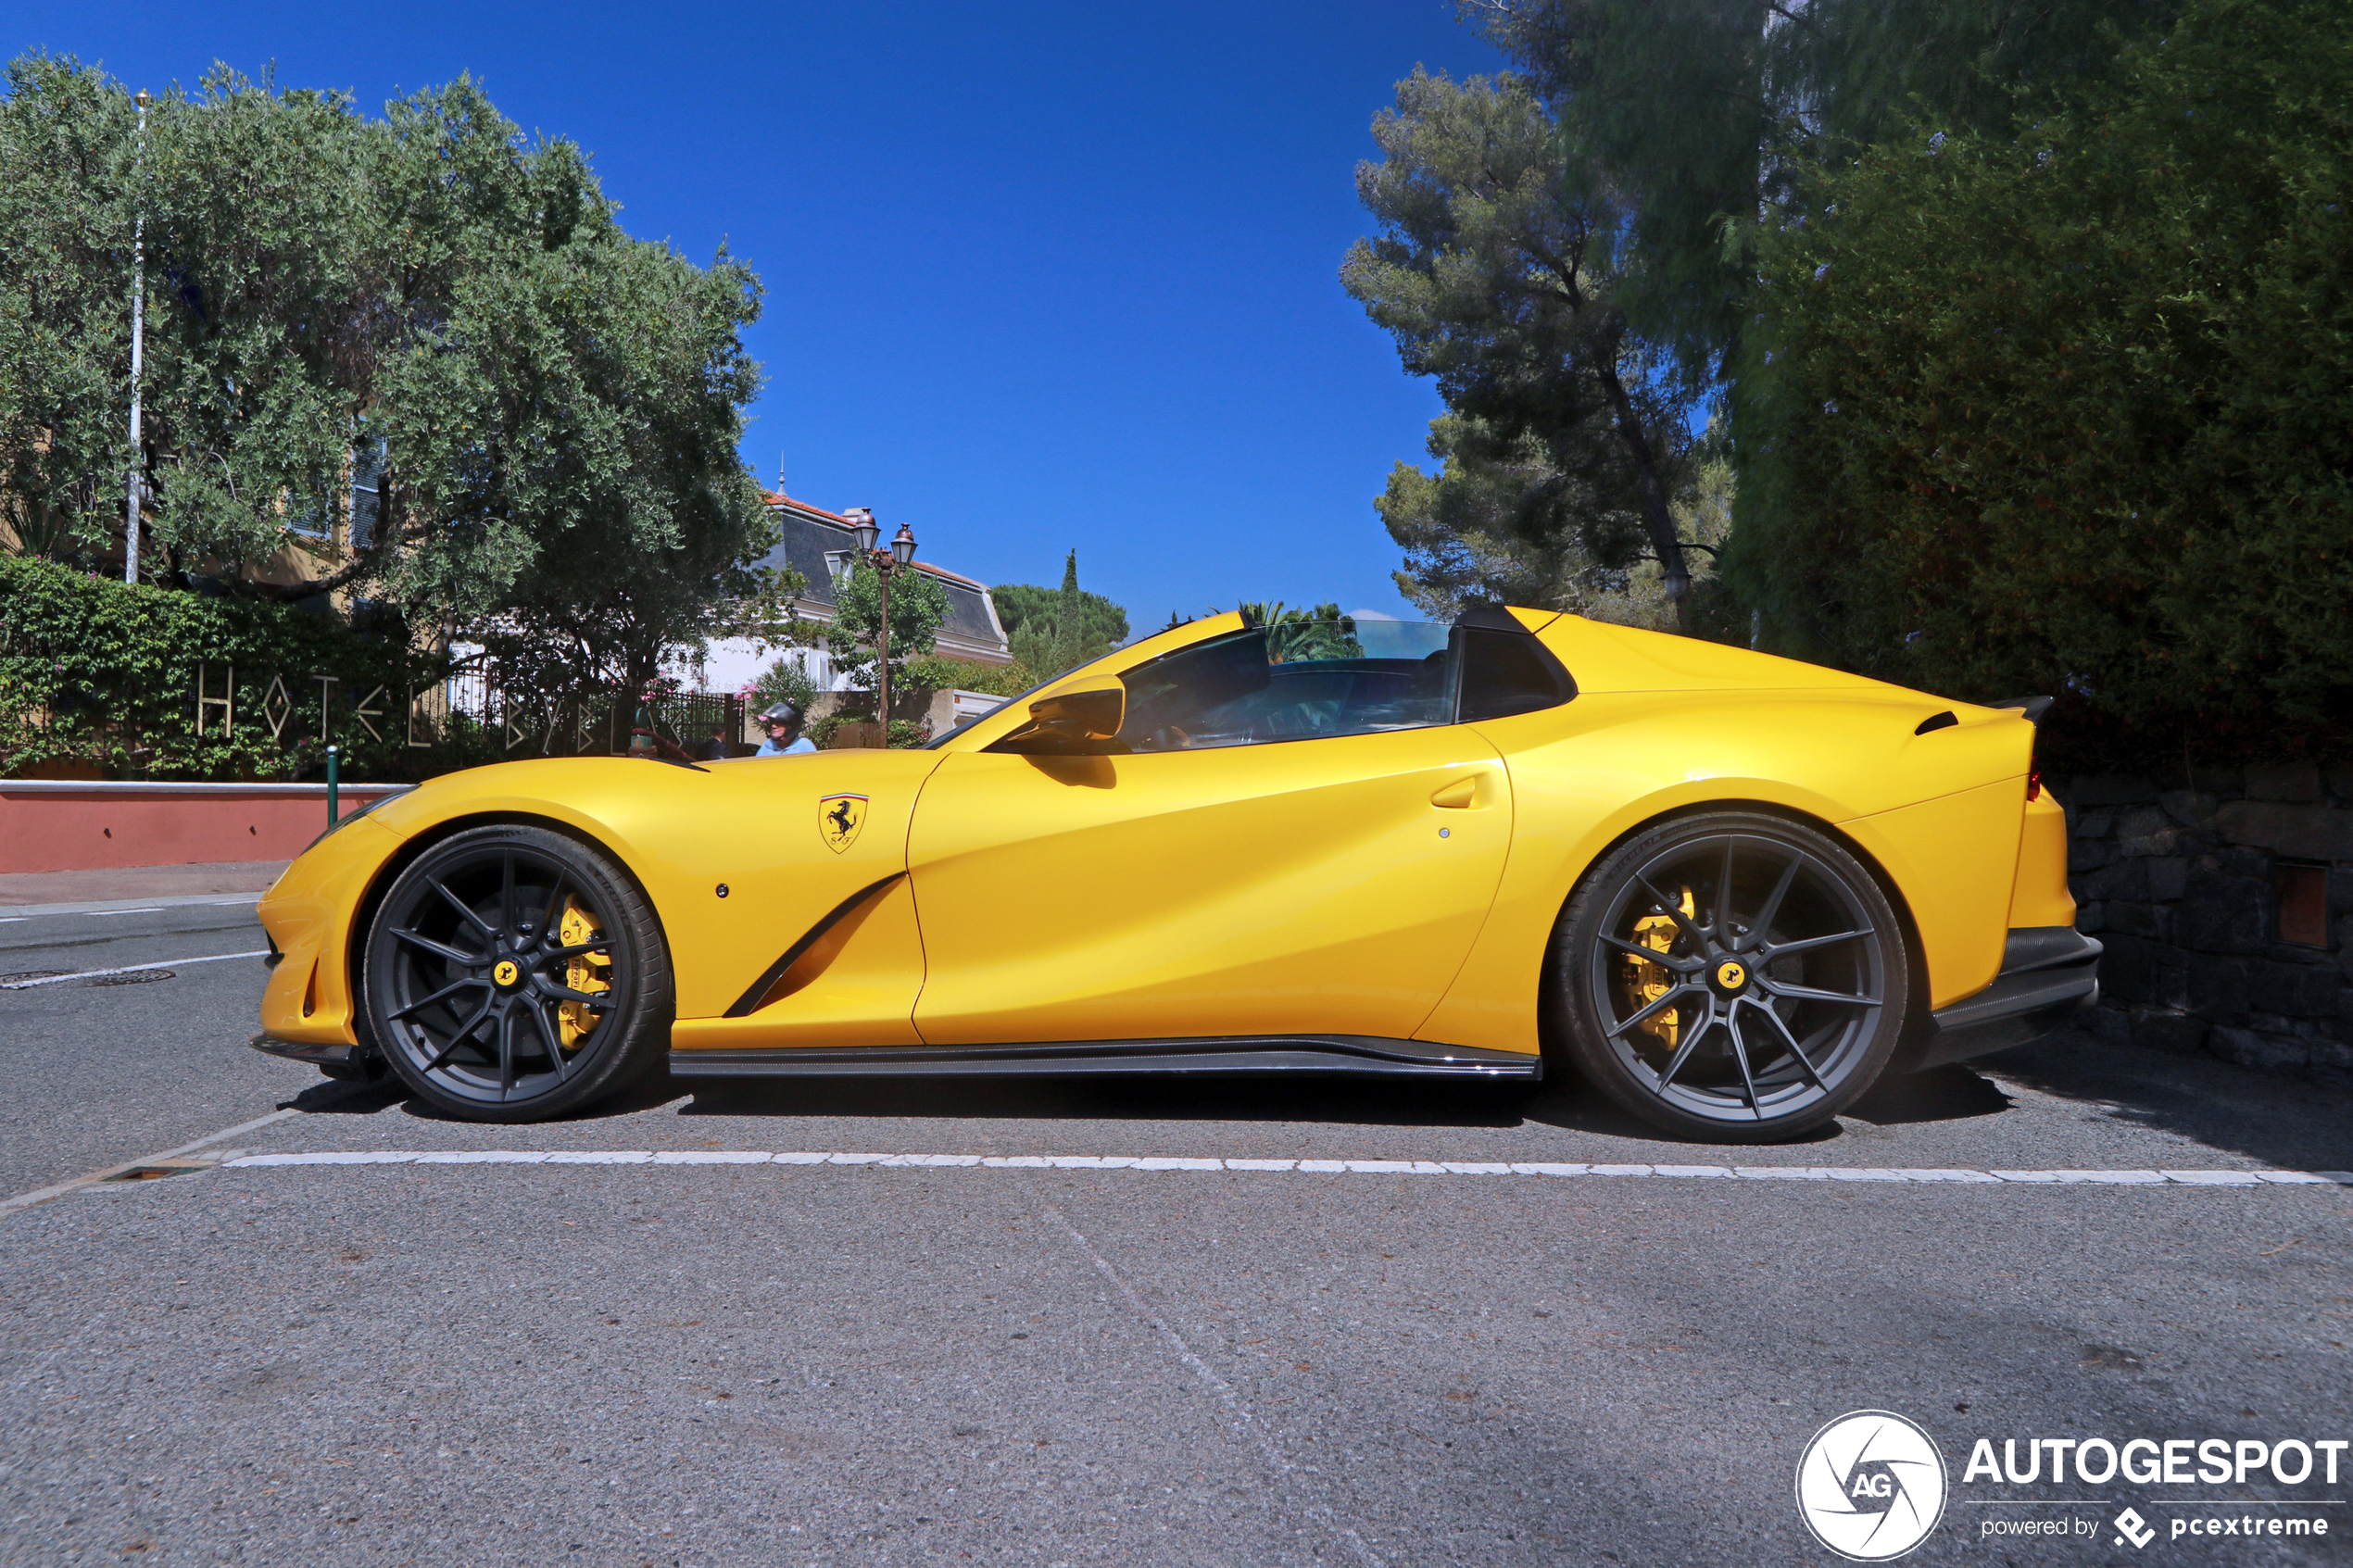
(1292, 680)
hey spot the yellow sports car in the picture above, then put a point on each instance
(1730, 890)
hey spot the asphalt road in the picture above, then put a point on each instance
(654, 1362)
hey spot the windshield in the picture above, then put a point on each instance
(1292, 678)
(1292, 681)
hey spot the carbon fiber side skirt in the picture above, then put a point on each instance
(1246, 1056)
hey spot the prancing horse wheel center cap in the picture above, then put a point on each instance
(1731, 976)
(507, 972)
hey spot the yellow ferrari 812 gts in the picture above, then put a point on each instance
(1727, 890)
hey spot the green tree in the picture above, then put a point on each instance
(2069, 410)
(784, 680)
(617, 411)
(1466, 530)
(1496, 525)
(938, 674)
(1496, 277)
(548, 408)
(65, 291)
(1294, 635)
(918, 607)
(1021, 603)
(1050, 631)
(1692, 117)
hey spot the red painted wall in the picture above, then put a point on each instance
(60, 826)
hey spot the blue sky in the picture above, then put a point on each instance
(1039, 276)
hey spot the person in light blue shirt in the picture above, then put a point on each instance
(784, 731)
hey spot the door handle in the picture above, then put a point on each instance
(1459, 795)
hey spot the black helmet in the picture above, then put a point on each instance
(785, 713)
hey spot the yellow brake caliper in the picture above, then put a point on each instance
(1646, 981)
(582, 971)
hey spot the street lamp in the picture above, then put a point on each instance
(863, 535)
(138, 337)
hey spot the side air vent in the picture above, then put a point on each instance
(1943, 721)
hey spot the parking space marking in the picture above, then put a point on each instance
(126, 906)
(1304, 1167)
(128, 969)
(1253, 1429)
(75, 1184)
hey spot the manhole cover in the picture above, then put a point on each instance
(156, 1170)
(135, 977)
(32, 974)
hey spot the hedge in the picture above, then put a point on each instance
(2072, 411)
(98, 673)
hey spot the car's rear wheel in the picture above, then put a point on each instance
(1733, 977)
(514, 974)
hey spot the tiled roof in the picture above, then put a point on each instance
(777, 498)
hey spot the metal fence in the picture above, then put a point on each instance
(588, 724)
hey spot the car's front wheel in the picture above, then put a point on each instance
(514, 974)
(1733, 977)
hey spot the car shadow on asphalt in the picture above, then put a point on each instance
(335, 1098)
(2279, 1121)
(2283, 1121)
(1953, 1093)
(1140, 1099)
(1034, 1099)
(1562, 1101)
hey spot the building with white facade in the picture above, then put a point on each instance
(817, 544)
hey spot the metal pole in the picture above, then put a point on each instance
(138, 345)
(882, 662)
(332, 781)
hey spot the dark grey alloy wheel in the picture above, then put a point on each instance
(513, 973)
(1733, 977)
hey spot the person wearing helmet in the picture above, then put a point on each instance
(783, 722)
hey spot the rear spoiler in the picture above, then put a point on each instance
(2031, 709)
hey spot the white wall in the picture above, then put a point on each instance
(735, 663)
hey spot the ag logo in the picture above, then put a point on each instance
(838, 818)
(1870, 1485)
(1732, 974)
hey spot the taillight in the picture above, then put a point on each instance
(2033, 783)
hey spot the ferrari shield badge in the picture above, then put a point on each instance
(838, 818)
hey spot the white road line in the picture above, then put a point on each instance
(129, 969)
(87, 908)
(59, 1189)
(1260, 1437)
(1301, 1167)
(148, 909)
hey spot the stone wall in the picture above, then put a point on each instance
(2181, 877)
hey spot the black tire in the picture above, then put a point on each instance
(485, 1005)
(1743, 1020)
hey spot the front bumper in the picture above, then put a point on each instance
(334, 1059)
(2049, 972)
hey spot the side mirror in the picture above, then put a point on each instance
(1092, 709)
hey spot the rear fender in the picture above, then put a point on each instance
(1936, 812)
